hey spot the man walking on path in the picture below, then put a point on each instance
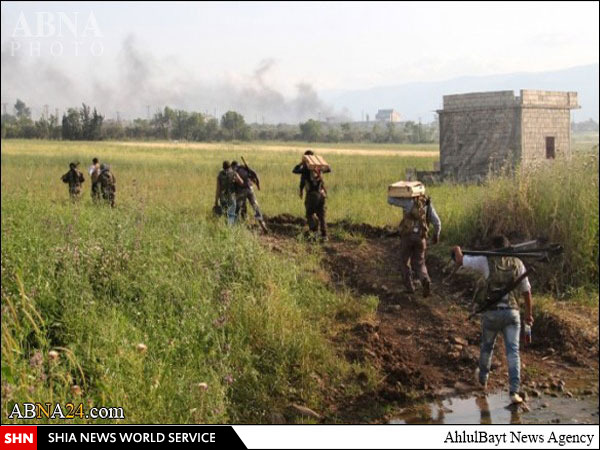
(316, 195)
(419, 213)
(497, 274)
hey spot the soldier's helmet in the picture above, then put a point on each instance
(104, 167)
(72, 165)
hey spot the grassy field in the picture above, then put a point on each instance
(182, 178)
(211, 304)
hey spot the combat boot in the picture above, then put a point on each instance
(426, 288)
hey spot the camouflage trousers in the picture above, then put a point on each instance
(240, 200)
(95, 191)
(74, 192)
(315, 212)
(109, 196)
(412, 253)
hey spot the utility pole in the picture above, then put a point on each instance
(46, 112)
(4, 108)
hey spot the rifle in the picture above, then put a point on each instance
(519, 251)
(497, 296)
(252, 174)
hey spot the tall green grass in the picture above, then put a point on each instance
(209, 302)
(557, 201)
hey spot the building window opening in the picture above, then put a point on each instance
(550, 150)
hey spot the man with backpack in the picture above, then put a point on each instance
(245, 192)
(419, 213)
(108, 184)
(225, 197)
(316, 195)
(74, 178)
(498, 275)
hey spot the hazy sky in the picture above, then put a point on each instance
(325, 45)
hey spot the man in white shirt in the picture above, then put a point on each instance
(94, 171)
(502, 316)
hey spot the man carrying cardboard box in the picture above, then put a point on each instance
(418, 214)
(311, 170)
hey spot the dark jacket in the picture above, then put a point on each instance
(306, 179)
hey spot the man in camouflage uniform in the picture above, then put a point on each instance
(108, 184)
(418, 214)
(94, 171)
(225, 196)
(245, 192)
(497, 274)
(74, 178)
(316, 195)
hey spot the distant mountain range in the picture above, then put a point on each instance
(420, 100)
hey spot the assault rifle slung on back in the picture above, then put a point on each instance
(495, 297)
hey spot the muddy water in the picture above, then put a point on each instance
(495, 408)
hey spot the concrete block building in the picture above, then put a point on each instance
(490, 131)
(387, 115)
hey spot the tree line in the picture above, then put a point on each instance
(86, 123)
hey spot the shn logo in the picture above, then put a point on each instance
(18, 438)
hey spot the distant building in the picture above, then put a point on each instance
(387, 115)
(488, 131)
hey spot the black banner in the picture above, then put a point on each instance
(102, 436)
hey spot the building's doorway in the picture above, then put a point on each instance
(550, 151)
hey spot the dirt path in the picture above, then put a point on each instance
(282, 148)
(425, 347)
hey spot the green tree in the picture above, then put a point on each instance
(310, 130)
(179, 129)
(139, 129)
(196, 128)
(234, 126)
(54, 126)
(71, 125)
(333, 135)
(42, 128)
(212, 130)
(161, 123)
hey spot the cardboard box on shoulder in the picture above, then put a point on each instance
(315, 162)
(406, 189)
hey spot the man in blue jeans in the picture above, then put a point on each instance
(497, 273)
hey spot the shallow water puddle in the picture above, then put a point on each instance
(495, 408)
